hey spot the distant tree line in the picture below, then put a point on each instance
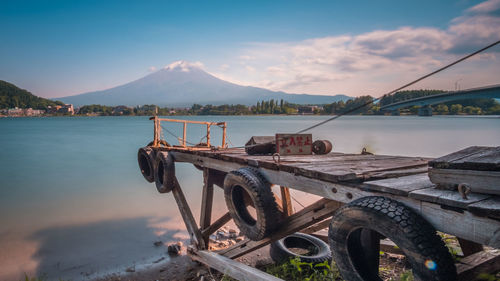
(469, 107)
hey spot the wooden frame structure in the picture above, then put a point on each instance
(400, 178)
(183, 144)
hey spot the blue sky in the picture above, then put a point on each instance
(60, 48)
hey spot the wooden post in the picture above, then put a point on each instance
(184, 135)
(187, 216)
(155, 133)
(208, 135)
(206, 203)
(286, 201)
(224, 135)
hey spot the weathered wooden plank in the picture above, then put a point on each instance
(472, 158)
(477, 181)
(401, 185)
(310, 215)
(395, 173)
(446, 197)
(234, 269)
(286, 201)
(443, 162)
(220, 222)
(317, 227)
(206, 203)
(489, 207)
(483, 262)
(187, 216)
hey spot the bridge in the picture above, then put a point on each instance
(425, 103)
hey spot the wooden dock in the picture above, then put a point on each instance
(338, 179)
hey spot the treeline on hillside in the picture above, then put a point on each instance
(11, 96)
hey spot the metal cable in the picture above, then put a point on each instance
(400, 88)
(385, 95)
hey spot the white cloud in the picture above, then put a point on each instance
(380, 60)
(152, 69)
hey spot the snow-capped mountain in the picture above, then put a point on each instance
(183, 84)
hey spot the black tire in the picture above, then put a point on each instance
(423, 248)
(318, 251)
(146, 161)
(164, 172)
(247, 186)
(163, 143)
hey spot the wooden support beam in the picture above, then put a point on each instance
(187, 216)
(469, 247)
(308, 216)
(482, 262)
(286, 201)
(216, 225)
(234, 269)
(206, 203)
(317, 227)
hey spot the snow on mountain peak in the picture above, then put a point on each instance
(183, 66)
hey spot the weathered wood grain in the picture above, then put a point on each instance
(220, 222)
(482, 262)
(187, 216)
(478, 181)
(234, 269)
(286, 201)
(447, 197)
(400, 185)
(471, 158)
(206, 203)
(489, 207)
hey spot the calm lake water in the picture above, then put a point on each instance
(74, 205)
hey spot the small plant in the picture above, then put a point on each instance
(295, 269)
(487, 277)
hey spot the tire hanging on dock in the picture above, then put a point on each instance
(146, 161)
(164, 172)
(247, 186)
(317, 251)
(355, 233)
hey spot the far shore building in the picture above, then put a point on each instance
(65, 109)
(307, 109)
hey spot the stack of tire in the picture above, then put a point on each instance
(157, 166)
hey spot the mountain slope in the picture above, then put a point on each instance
(182, 84)
(11, 96)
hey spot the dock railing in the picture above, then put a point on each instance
(183, 143)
